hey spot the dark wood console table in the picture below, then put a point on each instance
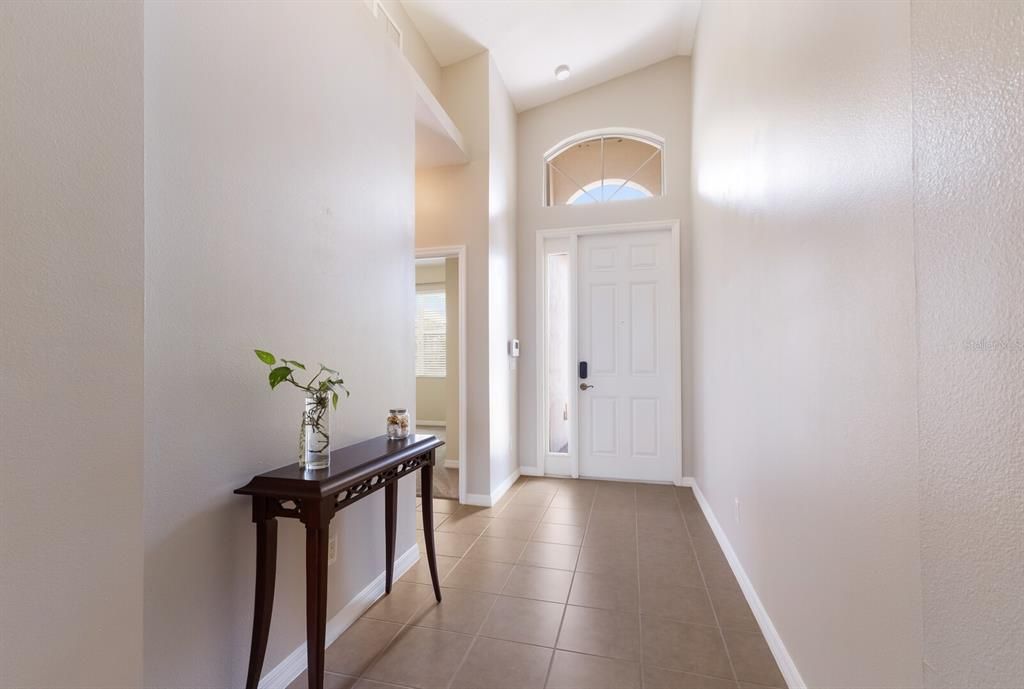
(313, 497)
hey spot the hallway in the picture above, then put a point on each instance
(564, 584)
(757, 264)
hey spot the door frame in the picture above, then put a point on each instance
(573, 234)
(459, 252)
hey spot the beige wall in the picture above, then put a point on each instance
(431, 399)
(470, 205)
(452, 209)
(655, 99)
(430, 273)
(968, 68)
(874, 455)
(71, 304)
(256, 236)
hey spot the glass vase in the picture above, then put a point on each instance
(315, 450)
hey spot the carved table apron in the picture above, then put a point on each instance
(313, 497)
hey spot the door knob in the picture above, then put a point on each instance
(585, 387)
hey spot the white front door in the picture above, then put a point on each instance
(628, 335)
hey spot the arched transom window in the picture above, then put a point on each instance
(600, 167)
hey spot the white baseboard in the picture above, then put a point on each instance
(432, 424)
(686, 482)
(451, 464)
(498, 492)
(477, 500)
(785, 661)
(481, 500)
(530, 471)
(295, 663)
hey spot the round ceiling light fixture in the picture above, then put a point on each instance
(562, 72)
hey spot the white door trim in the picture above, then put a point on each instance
(574, 233)
(457, 251)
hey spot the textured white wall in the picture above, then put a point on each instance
(859, 269)
(71, 304)
(805, 368)
(656, 99)
(969, 204)
(279, 215)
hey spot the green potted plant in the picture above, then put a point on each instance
(326, 385)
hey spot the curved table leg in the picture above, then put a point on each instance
(427, 499)
(317, 518)
(390, 526)
(266, 573)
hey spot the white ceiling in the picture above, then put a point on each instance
(598, 39)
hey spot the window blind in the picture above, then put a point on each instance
(431, 331)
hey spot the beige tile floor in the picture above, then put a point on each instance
(565, 585)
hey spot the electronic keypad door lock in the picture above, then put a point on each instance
(583, 370)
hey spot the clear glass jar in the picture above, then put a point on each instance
(398, 424)
(315, 452)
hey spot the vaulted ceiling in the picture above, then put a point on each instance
(528, 39)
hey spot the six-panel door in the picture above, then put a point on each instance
(628, 333)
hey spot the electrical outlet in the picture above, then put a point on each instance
(332, 551)
(737, 510)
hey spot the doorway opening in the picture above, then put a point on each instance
(440, 362)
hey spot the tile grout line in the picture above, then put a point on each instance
(639, 607)
(549, 648)
(476, 635)
(410, 622)
(707, 592)
(590, 513)
(406, 624)
(377, 656)
(575, 605)
(402, 626)
(572, 580)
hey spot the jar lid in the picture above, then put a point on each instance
(397, 411)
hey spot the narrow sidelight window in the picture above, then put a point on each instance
(558, 354)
